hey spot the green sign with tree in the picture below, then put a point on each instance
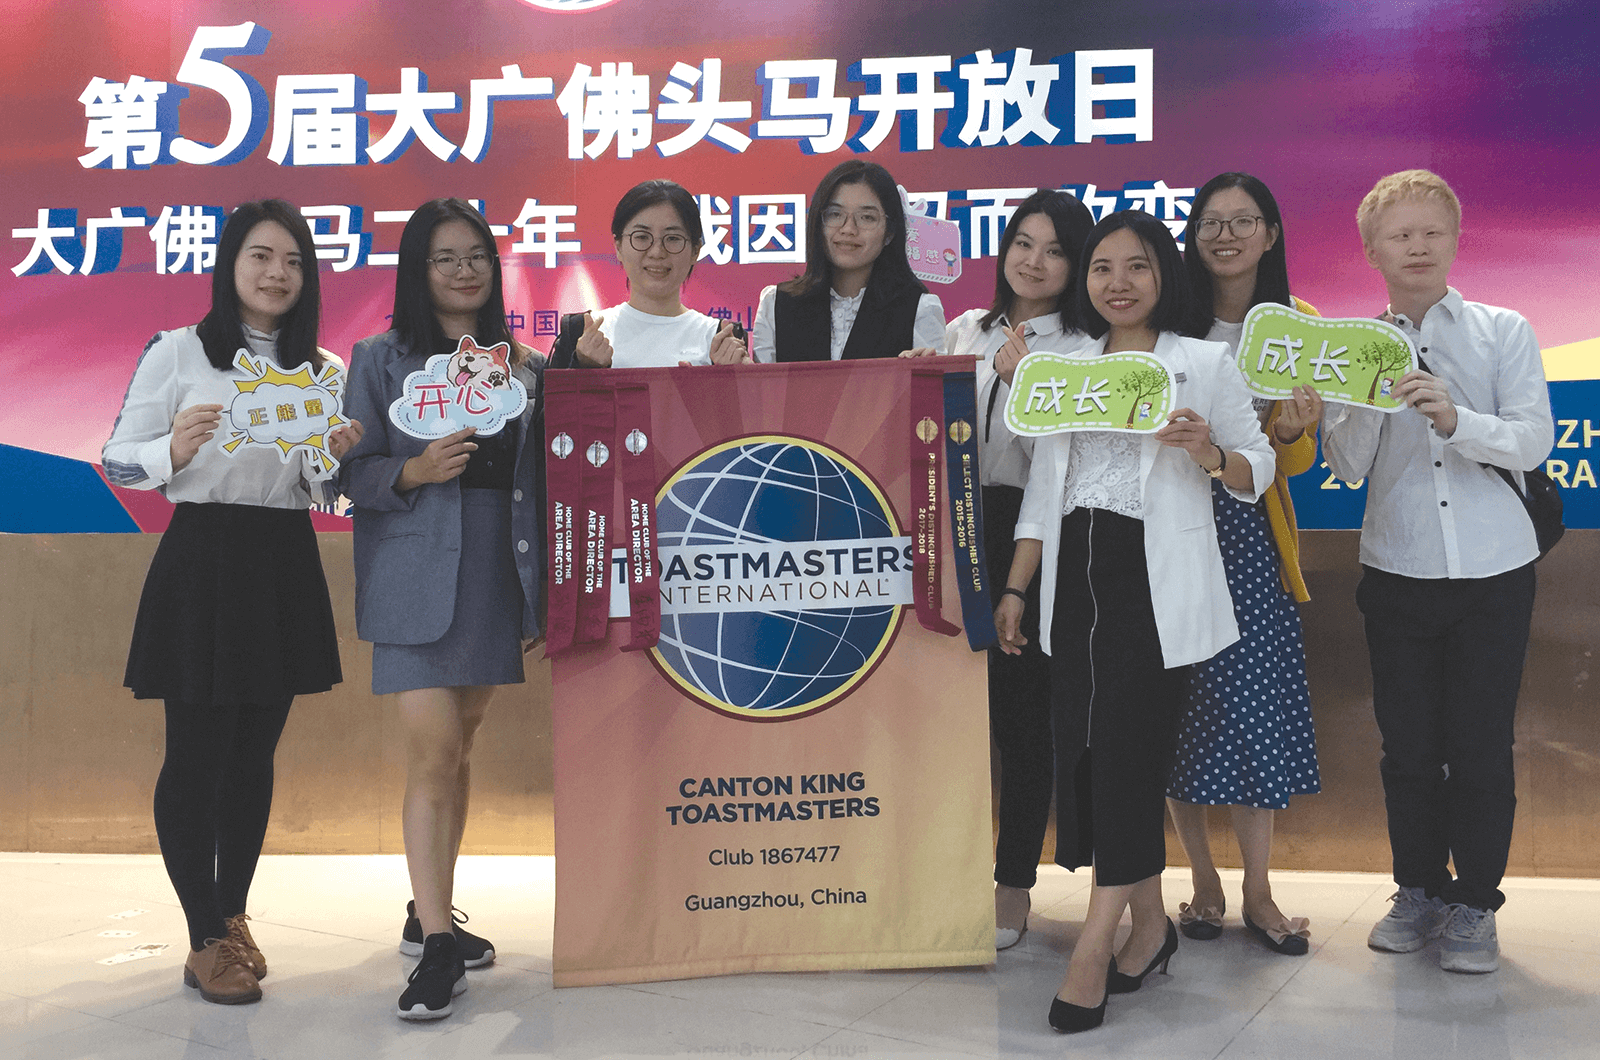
(1354, 361)
(1052, 394)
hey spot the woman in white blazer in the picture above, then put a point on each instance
(1132, 589)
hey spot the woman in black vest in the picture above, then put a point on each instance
(857, 297)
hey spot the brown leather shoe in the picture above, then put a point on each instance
(239, 935)
(222, 973)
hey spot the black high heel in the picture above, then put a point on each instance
(1118, 983)
(1070, 1019)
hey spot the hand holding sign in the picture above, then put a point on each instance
(1429, 395)
(1351, 360)
(472, 387)
(191, 429)
(443, 460)
(344, 439)
(1301, 410)
(1053, 394)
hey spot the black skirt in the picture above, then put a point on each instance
(235, 610)
(1115, 704)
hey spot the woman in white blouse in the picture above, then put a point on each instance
(657, 234)
(1132, 590)
(1033, 311)
(857, 297)
(234, 621)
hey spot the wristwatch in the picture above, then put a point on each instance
(1217, 471)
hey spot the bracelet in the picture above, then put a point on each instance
(1018, 593)
(1222, 465)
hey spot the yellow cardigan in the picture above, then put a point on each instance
(1293, 458)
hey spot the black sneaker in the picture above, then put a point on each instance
(437, 978)
(475, 950)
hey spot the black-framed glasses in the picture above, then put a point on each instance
(450, 264)
(642, 239)
(1209, 228)
(834, 217)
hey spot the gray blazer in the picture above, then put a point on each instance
(407, 545)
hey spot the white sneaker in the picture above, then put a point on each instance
(1413, 920)
(1470, 943)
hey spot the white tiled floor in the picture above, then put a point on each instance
(328, 927)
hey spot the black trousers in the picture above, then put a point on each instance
(1447, 657)
(1019, 709)
(211, 807)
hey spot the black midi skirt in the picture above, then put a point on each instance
(235, 610)
(1115, 705)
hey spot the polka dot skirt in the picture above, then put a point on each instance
(1246, 738)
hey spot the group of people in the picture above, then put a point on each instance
(1120, 703)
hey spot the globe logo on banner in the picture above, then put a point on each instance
(784, 574)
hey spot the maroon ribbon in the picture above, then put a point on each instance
(597, 465)
(563, 486)
(927, 436)
(636, 466)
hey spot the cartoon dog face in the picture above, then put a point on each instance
(472, 365)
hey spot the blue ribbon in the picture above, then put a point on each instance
(966, 508)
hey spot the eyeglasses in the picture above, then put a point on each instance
(1210, 228)
(450, 264)
(834, 217)
(642, 239)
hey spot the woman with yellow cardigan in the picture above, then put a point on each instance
(1246, 739)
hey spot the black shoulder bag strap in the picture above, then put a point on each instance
(564, 354)
(1541, 497)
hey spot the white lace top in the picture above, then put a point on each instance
(1103, 472)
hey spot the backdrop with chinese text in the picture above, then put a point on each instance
(133, 127)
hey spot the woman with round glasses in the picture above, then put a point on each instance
(656, 231)
(857, 297)
(448, 546)
(1246, 740)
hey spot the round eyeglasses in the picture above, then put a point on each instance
(834, 217)
(1209, 228)
(642, 239)
(450, 264)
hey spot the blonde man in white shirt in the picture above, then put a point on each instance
(1447, 552)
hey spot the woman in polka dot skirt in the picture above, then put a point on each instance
(1246, 740)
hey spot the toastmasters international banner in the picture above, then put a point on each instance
(771, 735)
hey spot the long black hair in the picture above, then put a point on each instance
(414, 317)
(1174, 305)
(891, 271)
(1072, 221)
(221, 332)
(1272, 271)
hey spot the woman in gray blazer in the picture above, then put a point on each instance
(448, 550)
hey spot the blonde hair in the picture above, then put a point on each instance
(1420, 183)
